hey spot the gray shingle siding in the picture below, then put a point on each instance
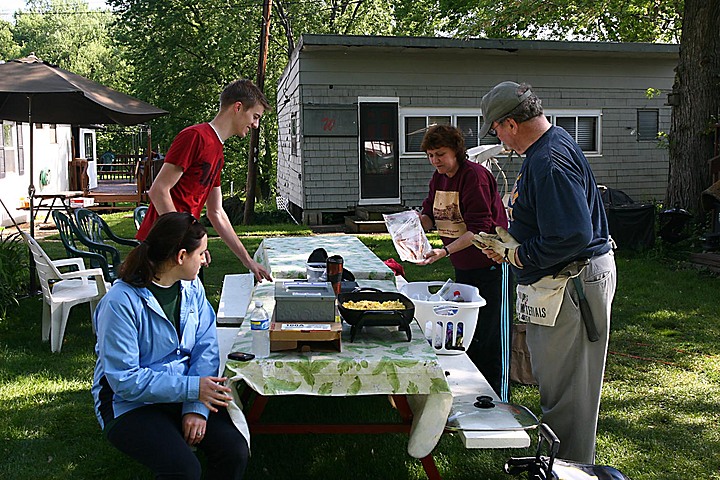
(609, 78)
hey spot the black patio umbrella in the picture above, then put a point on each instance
(34, 91)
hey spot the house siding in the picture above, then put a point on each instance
(613, 83)
(51, 157)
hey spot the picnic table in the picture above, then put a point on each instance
(58, 201)
(285, 257)
(380, 361)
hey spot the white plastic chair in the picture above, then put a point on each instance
(62, 291)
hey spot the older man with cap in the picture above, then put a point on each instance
(561, 255)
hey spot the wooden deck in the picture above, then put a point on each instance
(110, 193)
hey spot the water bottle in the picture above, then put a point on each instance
(429, 331)
(457, 297)
(260, 326)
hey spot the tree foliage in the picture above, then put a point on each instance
(594, 20)
(67, 33)
(179, 54)
(183, 52)
(354, 17)
(9, 49)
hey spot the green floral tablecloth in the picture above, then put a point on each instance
(286, 257)
(379, 361)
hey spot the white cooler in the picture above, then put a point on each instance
(449, 326)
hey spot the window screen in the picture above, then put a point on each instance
(293, 133)
(587, 133)
(469, 127)
(414, 132)
(567, 123)
(582, 129)
(439, 120)
(488, 139)
(647, 125)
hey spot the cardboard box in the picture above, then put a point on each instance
(306, 337)
(304, 302)
(82, 202)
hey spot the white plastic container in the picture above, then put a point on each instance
(315, 272)
(453, 323)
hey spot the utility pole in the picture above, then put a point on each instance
(251, 184)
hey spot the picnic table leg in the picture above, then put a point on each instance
(52, 205)
(428, 463)
(403, 407)
(49, 209)
(256, 409)
(68, 209)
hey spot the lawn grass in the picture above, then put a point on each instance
(659, 415)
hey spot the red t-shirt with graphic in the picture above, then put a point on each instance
(199, 152)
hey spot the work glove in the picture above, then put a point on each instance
(503, 244)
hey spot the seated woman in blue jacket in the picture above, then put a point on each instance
(156, 389)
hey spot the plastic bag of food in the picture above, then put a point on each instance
(408, 235)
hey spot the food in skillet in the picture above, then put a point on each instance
(373, 305)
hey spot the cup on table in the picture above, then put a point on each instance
(315, 271)
(334, 272)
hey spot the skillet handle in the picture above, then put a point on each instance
(367, 289)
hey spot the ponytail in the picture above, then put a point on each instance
(172, 232)
(138, 269)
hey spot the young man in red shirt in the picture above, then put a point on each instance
(190, 177)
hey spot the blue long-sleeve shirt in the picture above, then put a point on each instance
(556, 211)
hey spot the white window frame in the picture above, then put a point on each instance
(453, 113)
(416, 112)
(553, 114)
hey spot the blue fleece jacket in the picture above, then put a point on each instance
(141, 360)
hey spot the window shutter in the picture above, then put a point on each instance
(20, 150)
(2, 151)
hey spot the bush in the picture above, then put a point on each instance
(13, 270)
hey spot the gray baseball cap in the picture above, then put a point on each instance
(498, 102)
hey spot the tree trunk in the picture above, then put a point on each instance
(696, 106)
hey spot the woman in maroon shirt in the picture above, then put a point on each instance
(463, 201)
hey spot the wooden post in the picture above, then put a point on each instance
(251, 183)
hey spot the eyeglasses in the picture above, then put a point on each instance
(492, 132)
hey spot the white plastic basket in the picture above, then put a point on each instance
(449, 326)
